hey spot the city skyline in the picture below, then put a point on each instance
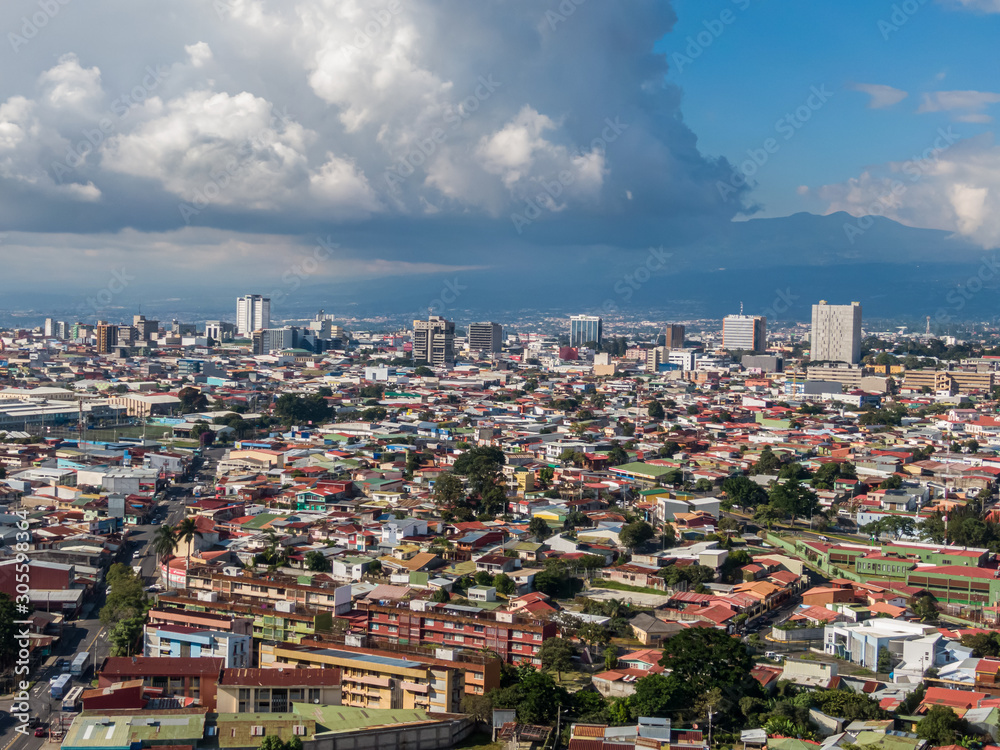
(634, 185)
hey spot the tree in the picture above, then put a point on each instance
(793, 499)
(743, 492)
(8, 639)
(925, 608)
(318, 562)
(707, 658)
(556, 654)
(941, 726)
(124, 635)
(655, 410)
(636, 534)
(847, 704)
(126, 600)
(983, 645)
(658, 695)
(704, 485)
(448, 490)
(767, 463)
(192, 400)
(617, 456)
(295, 409)
(441, 596)
(504, 584)
(534, 694)
(187, 530)
(767, 515)
(164, 542)
(884, 665)
(593, 634)
(610, 657)
(891, 482)
(539, 529)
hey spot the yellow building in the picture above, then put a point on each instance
(383, 679)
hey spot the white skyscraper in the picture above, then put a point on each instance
(253, 312)
(836, 333)
(747, 333)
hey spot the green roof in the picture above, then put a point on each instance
(336, 719)
(258, 522)
(97, 731)
(644, 469)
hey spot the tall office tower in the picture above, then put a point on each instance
(434, 341)
(107, 337)
(836, 333)
(674, 336)
(219, 331)
(746, 333)
(50, 328)
(128, 335)
(146, 330)
(584, 328)
(253, 312)
(485, 337)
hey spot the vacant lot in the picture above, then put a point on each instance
(632, 597)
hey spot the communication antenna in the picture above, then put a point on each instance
(741, 308)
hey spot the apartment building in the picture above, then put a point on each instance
(280, 593)
(515, 638)
(187, 677)
(268, 623)
(386, 679)
(253, 312)
(948, 381)
(235, 649)
(274, 690)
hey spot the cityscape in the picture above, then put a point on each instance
(499, 375)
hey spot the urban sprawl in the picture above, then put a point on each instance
(314, 537)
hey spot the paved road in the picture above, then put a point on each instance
(87, 633)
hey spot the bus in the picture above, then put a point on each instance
(79, 665)
(58, 685)
(71, 702)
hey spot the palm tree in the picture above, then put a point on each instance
(165, 542)
(187, 530)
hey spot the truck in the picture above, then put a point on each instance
(79, 664)
(58, 685)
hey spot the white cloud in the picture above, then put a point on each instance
(968, 103)
(69, 85)
(980, 6)
(881, 96)
(200, 54)
(957, 189)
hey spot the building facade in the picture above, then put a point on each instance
(584, 328)
(836, 333)
(485, 337)
(434, 341)
(253, 312)
(747, 333)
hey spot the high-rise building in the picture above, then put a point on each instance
(253, 312)
(747, 333)
(434, 341)
(219, 331)
(146, 330)
(836, 333)
(584, 328)
(486, 337)
(674, 336)
(107, 337)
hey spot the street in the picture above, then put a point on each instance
(86, 632)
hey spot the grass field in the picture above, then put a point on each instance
(478, 741)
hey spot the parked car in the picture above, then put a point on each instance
(39, 731)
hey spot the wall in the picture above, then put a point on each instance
(434, 737)
(801, 634)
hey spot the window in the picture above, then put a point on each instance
(257, 731)
(299, 730)
(313, 695)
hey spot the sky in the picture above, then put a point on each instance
(164, 150)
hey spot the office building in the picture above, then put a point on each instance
(146, 330)
(253, 312)
(219, 331)
(746, 333)
(836, 333)
(434, 341)
(268, 340)
(485, 337)
(674, 336)
(584, 329)
(107, 337)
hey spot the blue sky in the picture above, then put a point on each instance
(765, 61)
